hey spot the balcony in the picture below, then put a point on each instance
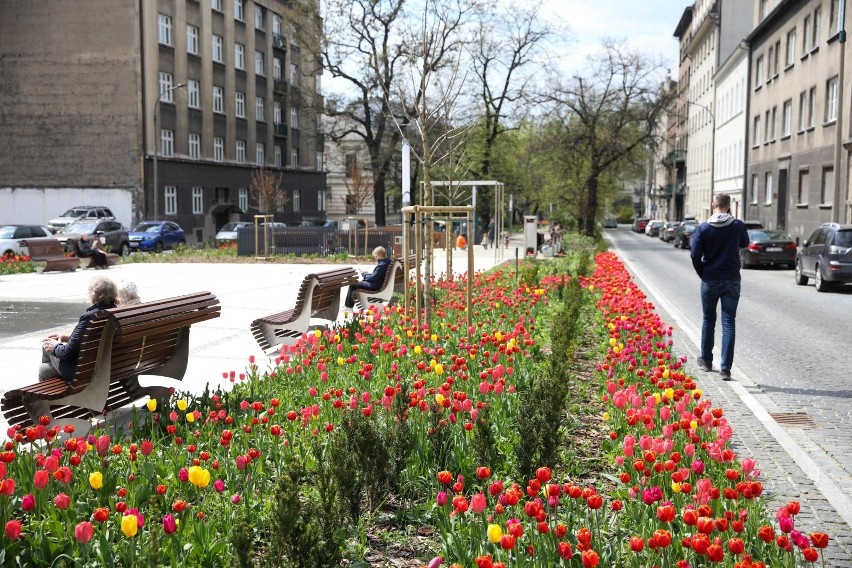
(279, 42)
(280, 86)
(280, 130)
(675, 156)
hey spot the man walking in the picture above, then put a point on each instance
(715, 252)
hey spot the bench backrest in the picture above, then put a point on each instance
(144, 335)
(46, 247)
(325, 300)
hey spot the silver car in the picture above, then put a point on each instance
(826, 257)
(12, 235)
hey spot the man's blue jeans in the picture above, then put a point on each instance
(728, 291)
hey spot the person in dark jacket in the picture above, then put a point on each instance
(87, 248)
(371, 280)
(60, 352)
(715, 252)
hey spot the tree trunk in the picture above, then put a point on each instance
(591, 205)
(379, 198)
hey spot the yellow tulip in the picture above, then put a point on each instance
(666, 374)
(340, 360)
(96, 480)
(152, 405)
(409, 333)
(181, 404)
(418, 350)
(190, 417)
(675, 487)
(199, 476)
(439, 398)
(670, 393)
(129, 525)
(439, 369)
(693, 425)
(434, 337)
(498, 336)
(317, 333)
(612, 342)
(494, 533)
(606, 415)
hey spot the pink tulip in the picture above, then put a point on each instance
(441, 498)
(435, 562)
(28, 502)
(236, 498)
(183, 474)
(102, 445)
(169, 524)
(62, 501)
(478, 503)
(219, 485)
(84, 531)
(41, 478)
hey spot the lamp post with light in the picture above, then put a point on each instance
(158, 141)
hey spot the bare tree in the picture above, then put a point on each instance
(359, 189)
(611, 114)
(266, 191)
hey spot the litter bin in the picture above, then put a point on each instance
(397, 247)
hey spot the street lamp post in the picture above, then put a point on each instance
(157, 141)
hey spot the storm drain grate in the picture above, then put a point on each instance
(797, 419)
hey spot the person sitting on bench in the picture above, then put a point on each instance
(60, 352)
(87, 248)
(371, 280)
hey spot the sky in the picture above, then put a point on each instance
(647, 25)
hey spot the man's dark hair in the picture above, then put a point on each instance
(722, 201)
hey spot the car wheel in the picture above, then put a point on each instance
(819, 281)
(158, 247)
(9, 254)
(125, 249)
(798, 275)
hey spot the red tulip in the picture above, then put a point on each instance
(13, 529)
(819, 539)
(507, 542)
(62, 501)
(590, 559)
(564, 550)
(445, 477)
(736, 546)
(636, 543)
(478, 503)
(810, 554)
(715, 553)
(84, 531)
(147, 447)
(766, 533)
(28, 502)
(7, 487)
(543, 474)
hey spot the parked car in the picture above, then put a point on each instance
(826, 257)
(229, 231)
(684, 233)
(768, 247)
(652, 229)
(753, 224)
(11, 236)
(156, 236)
(112, 235)
(639, 224)
(610, 223)
(79, 213)
(667, 231)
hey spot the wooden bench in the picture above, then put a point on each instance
(319, 297)
(51, 253)
(118, 345)
(112, 258)
(394, 282)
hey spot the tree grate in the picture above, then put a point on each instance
(794, 419)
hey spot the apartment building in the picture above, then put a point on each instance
(346, 157)
(799, 135)
(729, 139)
(94, 92)
(677, 133)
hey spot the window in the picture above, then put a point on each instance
(294, 157)
(217, 5)
(241, 151)
(811, 107)
(277, 115)
(258, 17)
(294, 118)
(171, 199)
(240, 105)
(194, 146)
(834, 23)
(756, 132)
(218, 99)
(297, 200)
(803, 111)
(791, 47)
(197, 200)
(193, 91)
(279, 156)
(218, 149)
(243, 197)
(166, 88)
(192, 40)
(165, 29)
(218, 50)
(319, 161)
(831, 100)
(320, 200)
(768, 189)
(802, 192)
(294, 39)
(770, 58)
(817, 21)
(758, 73)
(755, 188)
(259, 68)
(240, 56)
(764, 8)
(777, 57)
(260, 109)
(276, 24)
(826, 188)
(806, 34)
(260, 154)
(294, 74)
(318, 83)
(351, 164)
(239, 11)
(167, 143)
(276, 68)
(770, 124)
(787, 119)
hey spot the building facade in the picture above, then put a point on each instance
(729, 140)
(209, 90)
(348, 196)
(678, 125)
(798, 131)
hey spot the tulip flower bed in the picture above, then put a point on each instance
(680, 496)
(13, 264)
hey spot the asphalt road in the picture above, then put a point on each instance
(792, 344)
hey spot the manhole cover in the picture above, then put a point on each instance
(799, 419)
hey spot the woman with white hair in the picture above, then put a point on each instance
(128, 293)
(371, 280)
(60, 352)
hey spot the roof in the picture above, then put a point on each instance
(683, 24)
